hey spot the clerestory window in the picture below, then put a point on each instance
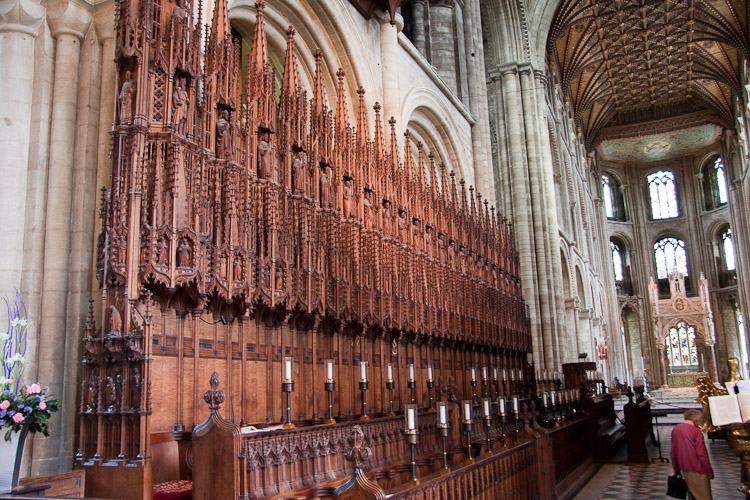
(663, 195)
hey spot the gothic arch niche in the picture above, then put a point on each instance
(723, 245)
(571, 304)
(620, 251)
(584, 330)
(612, 195)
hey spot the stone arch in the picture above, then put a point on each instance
(540, 16)
(423, 110)
(567, 291)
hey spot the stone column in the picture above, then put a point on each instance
(540, 221)
(418, 24)
(19, 26)
(105, 29)
(478, 102)
(443, 34)
(389, 64)
(68, 22)
(519, 201)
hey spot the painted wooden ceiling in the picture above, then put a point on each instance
(627, 61)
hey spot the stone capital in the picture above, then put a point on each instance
(385, 18)
(104, 14)
(21, 16)
(68, 17)
(512, 70)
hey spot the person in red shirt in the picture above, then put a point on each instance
(689, 456)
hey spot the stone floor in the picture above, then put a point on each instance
(620, 481)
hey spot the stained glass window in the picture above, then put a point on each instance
(616, 260)
(728, 247)
(670, 255)
(661, 190)
(681, 349)
(721, 180)
(609, 207)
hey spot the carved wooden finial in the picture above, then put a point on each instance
(290, 32)
(358, 453)
(377, 107)
(260, 4)
(358, 486)
(214, 397)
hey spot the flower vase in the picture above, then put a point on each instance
(11, 454)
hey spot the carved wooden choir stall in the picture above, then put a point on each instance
(325, 280)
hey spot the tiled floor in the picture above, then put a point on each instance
(649, 481)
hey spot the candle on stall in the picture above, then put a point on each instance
(443, 416)
(467, 410)
(411, 372)
(473, 374)
(429, 373)
(515, 404)
(484, 374)
(501, 403)
(329, 369)
(512, 374)
(520, 375)
(545, 400)
(363, 371)
(390, 371)
(287, 368)
(505, 374)
(410, 417)
(554, 397)
(494, 373)
(486, 406)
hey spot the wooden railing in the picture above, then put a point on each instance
(293, 459)
(508, 474)
(310, 462)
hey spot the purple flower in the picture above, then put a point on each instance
(2, 413)
(27, 409)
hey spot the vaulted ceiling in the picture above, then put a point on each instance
(627, 61)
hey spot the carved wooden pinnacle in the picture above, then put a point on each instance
(214, 397)
(359, 452)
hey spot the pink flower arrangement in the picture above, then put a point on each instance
(21, 407)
